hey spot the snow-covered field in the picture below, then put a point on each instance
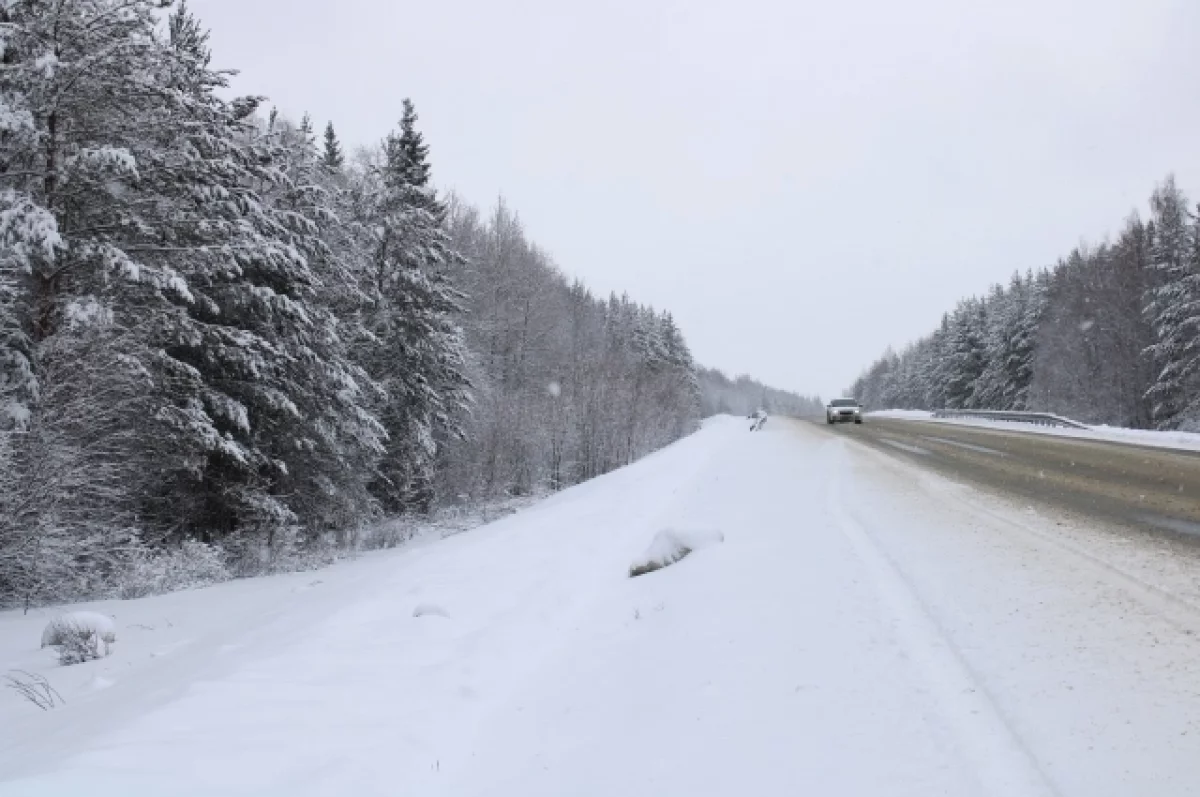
(842, 625)
(1187, 441)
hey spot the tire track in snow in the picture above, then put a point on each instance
(1177, 610)
(1004, 766)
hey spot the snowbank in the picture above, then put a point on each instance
(1183, 441)
(671, 545)
(907, 415)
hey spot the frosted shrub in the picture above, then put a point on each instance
(388, 534)
(79, 645)
(284, 549)
(193, 564)
(80, 636)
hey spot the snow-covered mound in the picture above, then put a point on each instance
(671, 545)
(429, 610)
(61, 628)
(80, 636)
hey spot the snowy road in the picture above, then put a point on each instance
(866, 628)
(1144, 487)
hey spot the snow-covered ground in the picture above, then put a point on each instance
(1187, 441)
(849, 626)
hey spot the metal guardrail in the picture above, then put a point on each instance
(1038, 418)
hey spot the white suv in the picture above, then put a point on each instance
(843, 410)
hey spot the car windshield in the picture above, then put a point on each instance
(844, 403)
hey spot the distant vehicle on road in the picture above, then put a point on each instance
(843, 410)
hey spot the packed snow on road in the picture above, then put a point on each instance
(820, 618)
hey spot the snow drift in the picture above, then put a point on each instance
(671, 545)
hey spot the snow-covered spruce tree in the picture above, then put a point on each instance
(153, 233)
(660, 400)
(265, 377)
(1022, 345)
(680, 392)
(1128, 328)
(933, 369)
(415, 348)
(1173, 305)
(331, 443)
(331, 155)
(988, 391)
(1012, 316)
(76, 86)
(965, 353)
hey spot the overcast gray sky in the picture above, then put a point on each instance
(800, 183)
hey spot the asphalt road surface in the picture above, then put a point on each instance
(1154, 489)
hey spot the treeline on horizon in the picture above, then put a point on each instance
(227, 346)
(744, 395)
(1110, 334)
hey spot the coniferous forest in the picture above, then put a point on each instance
(228, 344)
(1108, 335)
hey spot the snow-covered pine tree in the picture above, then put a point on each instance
(933, 370)
(165, 245)
(1130, 329)
(1009, 341)
(1173, 305)
(682, 391)
(964, 358)
(249, 284)
(408, 155)
(79, 92)
(331, 155)
(416, 350)
(1026, 313)
(989, 390)
(65, 486)
(330, 445)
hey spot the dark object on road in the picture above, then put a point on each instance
(760, 418)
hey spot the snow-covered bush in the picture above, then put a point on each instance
(80, 636)
(79, 645)
(387, 534)
(193, 564)
(101, 624)
(285, 549)
(671, 545)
